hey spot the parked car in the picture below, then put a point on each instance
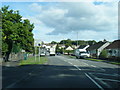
(81, 53)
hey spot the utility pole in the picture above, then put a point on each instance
(77, 38)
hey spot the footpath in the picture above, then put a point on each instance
(9, 63)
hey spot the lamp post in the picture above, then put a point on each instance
(35, 49)
(39, 52)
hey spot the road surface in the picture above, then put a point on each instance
(63, 72)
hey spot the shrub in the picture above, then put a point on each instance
(103, 54)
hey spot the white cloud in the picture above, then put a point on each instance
(35, 7)
(92, 21)
(67, 17)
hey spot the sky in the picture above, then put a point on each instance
(55, 21)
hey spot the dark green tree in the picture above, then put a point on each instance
(15, 32)
(53, 42)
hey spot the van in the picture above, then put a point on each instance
(80, 53)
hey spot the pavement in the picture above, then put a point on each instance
(63, 72)
(10, 63)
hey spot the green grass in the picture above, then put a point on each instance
(93, 59)
(72, 56)
(31, 60)
(116, 63)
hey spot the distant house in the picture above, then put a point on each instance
(97, 48)
(74, 46)
(61, 46)
(69, 48)
(114, 49)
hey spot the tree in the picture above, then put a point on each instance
(53, 42)
(15, 32)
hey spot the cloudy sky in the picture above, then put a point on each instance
(55, 21)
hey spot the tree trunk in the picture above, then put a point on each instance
(7, 56)
(8, 52)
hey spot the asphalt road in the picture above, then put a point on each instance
(63, 72)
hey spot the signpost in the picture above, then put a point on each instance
(37, 43)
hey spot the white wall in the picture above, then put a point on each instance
(101, 48)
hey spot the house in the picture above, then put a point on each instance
(83, 47)
(48, 46)
(114, 49)
(69, 48)
(97, 48)
(61, 46)
(75, 47)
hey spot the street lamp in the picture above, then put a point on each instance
(39, 51)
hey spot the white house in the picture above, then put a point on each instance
(114, 48)
(97, 48)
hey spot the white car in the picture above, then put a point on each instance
(84, 55)
(81, 53)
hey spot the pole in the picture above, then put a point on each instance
(35, 54)
(77, 38)
(63, 47)
(39, 53)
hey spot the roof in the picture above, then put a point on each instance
(69, 48)
(115, 44)
(82, 46)
(96, 46)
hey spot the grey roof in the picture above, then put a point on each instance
(82, 46)
(114, 45)
(96, 46)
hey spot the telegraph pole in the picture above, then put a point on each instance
(77, 38)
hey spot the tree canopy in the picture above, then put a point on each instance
(15, 32)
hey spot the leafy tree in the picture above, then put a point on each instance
(53, 42)
(57, 49)
(69, 51)
(15, 32)
(91, 42)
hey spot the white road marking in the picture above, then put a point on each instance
(93, 66)
(85, 64)
(108, 86)
(88, 76)
(77, 67)
(107, 74)
(94, 81)
(108, 79)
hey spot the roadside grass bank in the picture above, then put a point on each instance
(92, 59)
(107, 61)
(31, 60)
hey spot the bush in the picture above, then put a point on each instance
(103, 54)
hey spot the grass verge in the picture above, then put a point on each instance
(31, 60)
(93, 59)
